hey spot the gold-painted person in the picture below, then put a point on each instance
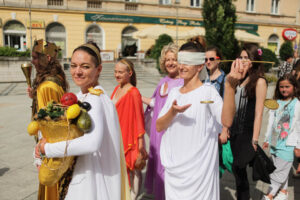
(49, 85)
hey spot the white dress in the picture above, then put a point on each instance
(97, 173)
(189, 147)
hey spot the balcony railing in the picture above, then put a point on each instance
(55, 2)
(94, 4)
(131, 6)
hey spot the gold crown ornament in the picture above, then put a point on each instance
(47, 48)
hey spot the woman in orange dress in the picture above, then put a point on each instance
(128, 102)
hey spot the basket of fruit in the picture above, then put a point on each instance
(60, 122)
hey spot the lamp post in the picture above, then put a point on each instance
(177, 2)
(30, 28)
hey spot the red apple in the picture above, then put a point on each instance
(68, 99)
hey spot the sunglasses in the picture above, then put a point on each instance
(212, 59)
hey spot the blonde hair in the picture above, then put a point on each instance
(171, 47)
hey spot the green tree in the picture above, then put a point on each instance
(286, 50)
(268, 55)
(219, 19)
(162, 40)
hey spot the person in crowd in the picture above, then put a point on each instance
(297, 70)
(286, 67)
(128, 102)
(282, 135)
(97, 172)
(191, 119)
(154, 181)
(297, 149)
(216, 77)
(244, 133)
(49, 85)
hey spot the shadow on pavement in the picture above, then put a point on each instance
(3, 170)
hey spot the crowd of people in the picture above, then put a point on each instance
(197, 128)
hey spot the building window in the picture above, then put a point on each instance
(195, 3)
(250, 6)
(164, 2)
(273, 43)
(274, 6)
(55, 32)
(94, 4)
(129, 44)
(15, 35)
(94, 33)
(55, 2)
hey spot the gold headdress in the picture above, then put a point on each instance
(47, 48)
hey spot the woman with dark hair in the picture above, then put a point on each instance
(49, 85)
(96, 173)
(244, 133)
(128, 102)
(216, 76)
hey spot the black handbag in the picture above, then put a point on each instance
(262, 166)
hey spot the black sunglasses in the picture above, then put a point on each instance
(210, 59)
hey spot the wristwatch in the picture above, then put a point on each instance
(255, 142)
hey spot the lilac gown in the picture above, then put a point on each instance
(154, 182)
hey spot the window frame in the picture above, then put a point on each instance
(273, 3)
(248, 6)
(195, 2)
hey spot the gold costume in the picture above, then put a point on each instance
(47, 91)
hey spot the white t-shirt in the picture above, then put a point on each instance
(189, 147)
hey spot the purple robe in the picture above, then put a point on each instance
(154, 182)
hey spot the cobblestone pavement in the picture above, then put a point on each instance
(18, 176)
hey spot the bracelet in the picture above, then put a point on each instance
(255, 142)
(232, 81)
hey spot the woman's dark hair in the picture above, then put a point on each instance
(297, 66)
(292, 80)
(194, 46)
(215, 49)
(90, 52)
(256, 71)
(130, 67)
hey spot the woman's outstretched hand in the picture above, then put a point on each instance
(238, 71)
(179, 109)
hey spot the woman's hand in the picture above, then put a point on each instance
(142, 149)
(238, 71)
(179, 109)
(41, 145)
(29, 92)
(265, 145)
(223, 137)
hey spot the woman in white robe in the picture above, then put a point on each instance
(192, 120)
(97, 173)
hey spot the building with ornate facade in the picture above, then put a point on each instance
(117, 25)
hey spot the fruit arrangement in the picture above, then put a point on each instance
(69, 108)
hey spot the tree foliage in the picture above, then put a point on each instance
(12, 52)
(269, 55)
(219, 19)
(162, 40)
(286, 50)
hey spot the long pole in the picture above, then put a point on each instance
(30, 28)
(176, 22)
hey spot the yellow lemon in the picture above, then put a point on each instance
(33, 128)
(73, 111)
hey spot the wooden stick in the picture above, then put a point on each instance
(254, 61)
